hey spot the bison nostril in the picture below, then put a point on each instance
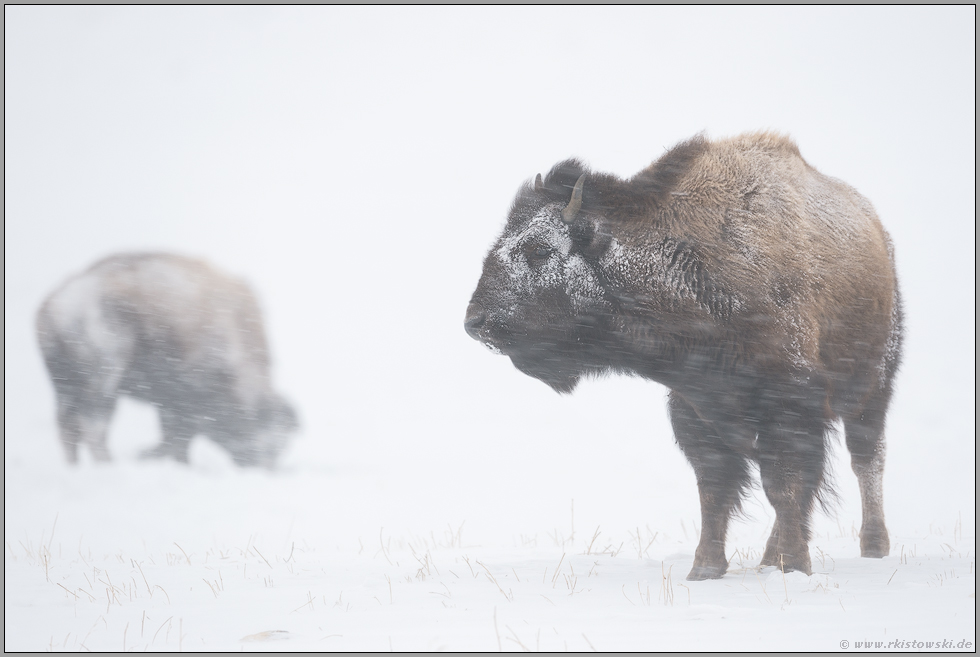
(475, 318)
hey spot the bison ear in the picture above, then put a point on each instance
(538, 183)
(563, 176)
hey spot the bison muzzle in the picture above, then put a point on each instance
(760, 292)
(170, 331)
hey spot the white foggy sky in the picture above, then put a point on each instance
(354, 164)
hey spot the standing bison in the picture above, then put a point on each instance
(761, 292)
(170, 331)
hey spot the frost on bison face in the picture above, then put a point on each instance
(170, 331)
(759, 291)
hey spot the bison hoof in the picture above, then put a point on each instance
(700, 572)
(875, 549)
(874, 552)
(798, 567)
(789, 563)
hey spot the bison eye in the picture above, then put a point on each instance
(538, 253)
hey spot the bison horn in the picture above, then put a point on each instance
(568, 214)
(538, 183)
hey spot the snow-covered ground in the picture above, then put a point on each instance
(480, 557)
(354, 165)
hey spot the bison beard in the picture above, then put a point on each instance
(542, 364)
(760, 292)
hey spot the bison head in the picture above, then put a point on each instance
(540, 299)
(262, 433)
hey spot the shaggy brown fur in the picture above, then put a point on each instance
(761, 292)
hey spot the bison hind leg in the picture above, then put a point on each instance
(865, 437)
(723, 476)
(84, 422)
(69, 429)
(864, 430)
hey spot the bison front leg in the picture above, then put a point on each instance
(722, 475)
(788, 545)
(177, 435)
(69, 428)
(792, 455)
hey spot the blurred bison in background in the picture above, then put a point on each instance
(759, 291)
(170, 331)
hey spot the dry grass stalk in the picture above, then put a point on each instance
(516, 639)
(500, 645)
(588, 550)
(184, 553)
(260, 554)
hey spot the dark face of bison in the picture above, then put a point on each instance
(540, 299)
(266, 433)
(277, 424)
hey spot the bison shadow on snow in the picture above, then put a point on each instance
(760, 292)
(170, 331)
